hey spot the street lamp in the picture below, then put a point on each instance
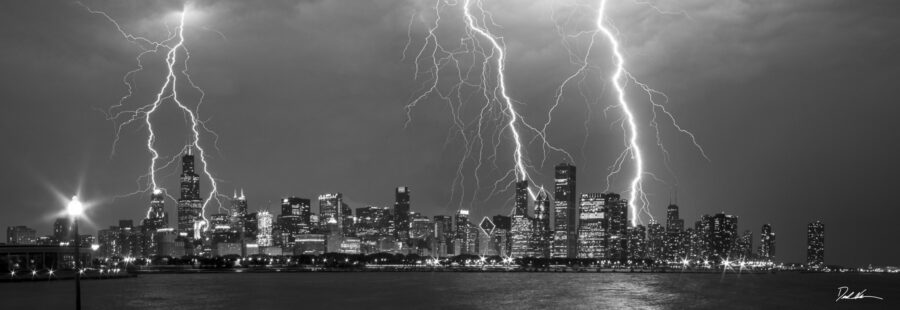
(75, 209)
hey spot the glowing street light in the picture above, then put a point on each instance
(75, 210)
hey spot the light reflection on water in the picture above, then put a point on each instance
(443, 290)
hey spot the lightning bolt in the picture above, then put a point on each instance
(620, 79)
(477, 70)
(122, 117)
(634, 148)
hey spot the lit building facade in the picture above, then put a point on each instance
(655, 241)
(20, 235)
(815, 245)
(190, 204)
(541, 232)
(591, 235)
(401, 213)
(565, 213)
(264, 229)
(616, 227)
(723, 234)
(637, 245)
(767, 243)
(521, 223)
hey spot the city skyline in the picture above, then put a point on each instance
(600, 229)
(776, 151)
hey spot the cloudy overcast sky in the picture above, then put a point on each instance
(793, 102)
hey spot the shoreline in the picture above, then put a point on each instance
(156, 270)
(67, 277)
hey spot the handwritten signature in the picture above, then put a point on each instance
(844, 293)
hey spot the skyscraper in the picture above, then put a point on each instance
(401, 213)
(157, 217)
(815, 245)
(637, 244)
(264, 229)
(521, 222)
(723, 234)
(502, 227)
(674, 240)
(616, 227)
(767, 243)
(443, 232)
(190, 205)
(330, 207)
(540, 235)
(565, 207)
(238, 206)
(591, 235)
(461, 239)
(744, 246)
(655, 240)
(296, 212)
(521, 198)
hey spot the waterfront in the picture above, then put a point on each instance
(416, 290)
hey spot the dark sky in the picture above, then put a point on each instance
(794, 102)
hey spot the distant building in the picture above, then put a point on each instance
(350, 245)
(591, 235)
(541, 231)
(815, 245)
(157, 217)
(767, 243)
(62, 230)
(330, 207)
(401, 213)
(422, 228)
(674, 239)
(616, 227)
(655, 241)
(109, 242)
(703, 229)
(294, 219)
(637, 242)
(190, 204)
(521, 223)
(461, 240)
(723, 235)
(443, 234)
(20, 235)
(309, 244)
(264, 229)
(501, 235)
(744, 246)
(565, 207)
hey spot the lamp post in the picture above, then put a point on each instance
(75, 209)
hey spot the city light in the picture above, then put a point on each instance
(75, 208)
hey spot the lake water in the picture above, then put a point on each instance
(448, 290)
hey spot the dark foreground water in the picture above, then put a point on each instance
(445, 290)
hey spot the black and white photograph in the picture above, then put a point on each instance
(449, 154)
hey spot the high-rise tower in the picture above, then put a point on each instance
(521, 198)
(815, 245)
(540, 237)
(766, 243)
(158, 217)
(401, 213)
(565, 230)
(190, 205)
